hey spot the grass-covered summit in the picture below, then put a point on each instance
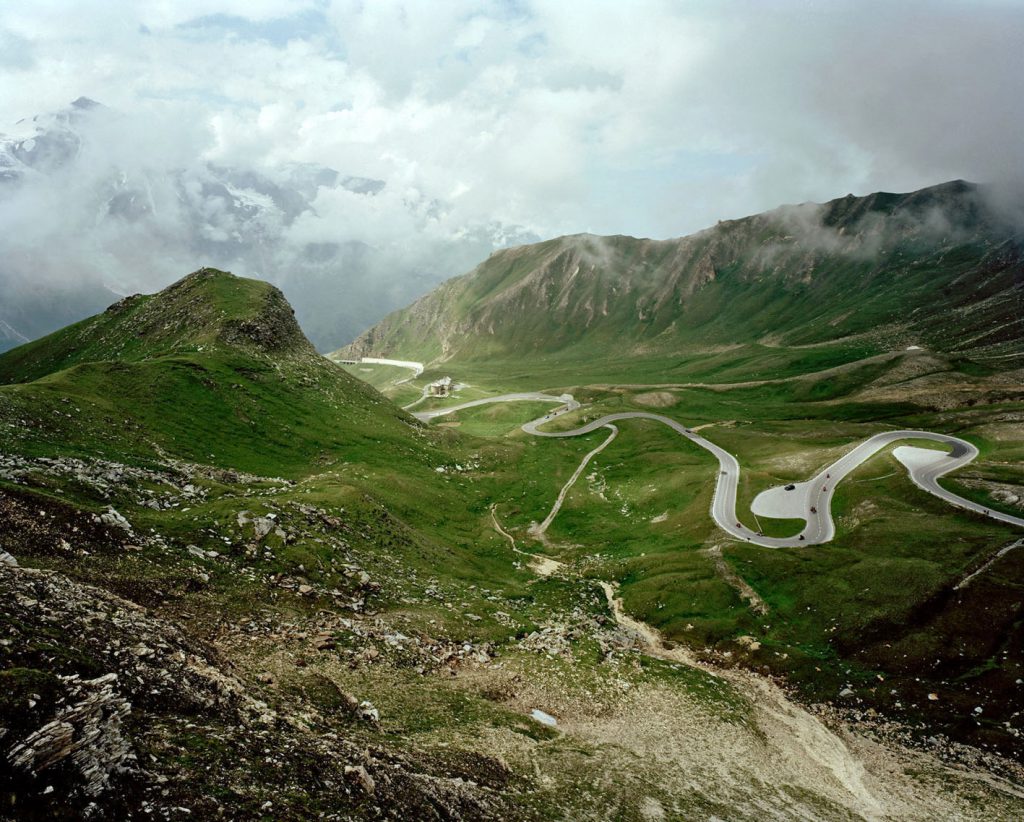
(207, 310)
(214, 369)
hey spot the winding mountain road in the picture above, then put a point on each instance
(810, 500)
(415, 367)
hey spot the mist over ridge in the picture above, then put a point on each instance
(357, 155)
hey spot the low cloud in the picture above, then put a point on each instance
(485, 122)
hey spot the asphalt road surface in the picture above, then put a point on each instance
(924, 466)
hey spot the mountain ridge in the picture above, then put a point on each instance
(810, 273)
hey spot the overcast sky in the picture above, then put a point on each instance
(641, 117)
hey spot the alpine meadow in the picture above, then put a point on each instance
(541, 521)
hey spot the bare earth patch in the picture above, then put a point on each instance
(656, 399)
(804, 462)
(710, 743)
(1007, 493)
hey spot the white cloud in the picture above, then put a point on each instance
(649, 117)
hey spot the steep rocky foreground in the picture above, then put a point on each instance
(943, 267)
(112, 709)
(144, 678)
(110, 712)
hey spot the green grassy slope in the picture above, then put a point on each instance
(208, 310)
(788, 334)
(214, 369)
(878, 604)
(935, 267)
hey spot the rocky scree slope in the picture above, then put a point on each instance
(109, 711)
(943, 266)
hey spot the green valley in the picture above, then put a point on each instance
(913, 610)
(265, 590)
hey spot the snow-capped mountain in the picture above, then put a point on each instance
(90, 211)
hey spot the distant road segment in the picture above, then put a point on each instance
(528, 396)
(415, 367)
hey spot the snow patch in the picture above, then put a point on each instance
(915, 458)
(779, 503)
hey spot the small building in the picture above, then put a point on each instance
(440, 388)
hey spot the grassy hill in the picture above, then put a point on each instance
(939, 267)
(254, 588)
(219, 535)
(213, 369)
(208, 310)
